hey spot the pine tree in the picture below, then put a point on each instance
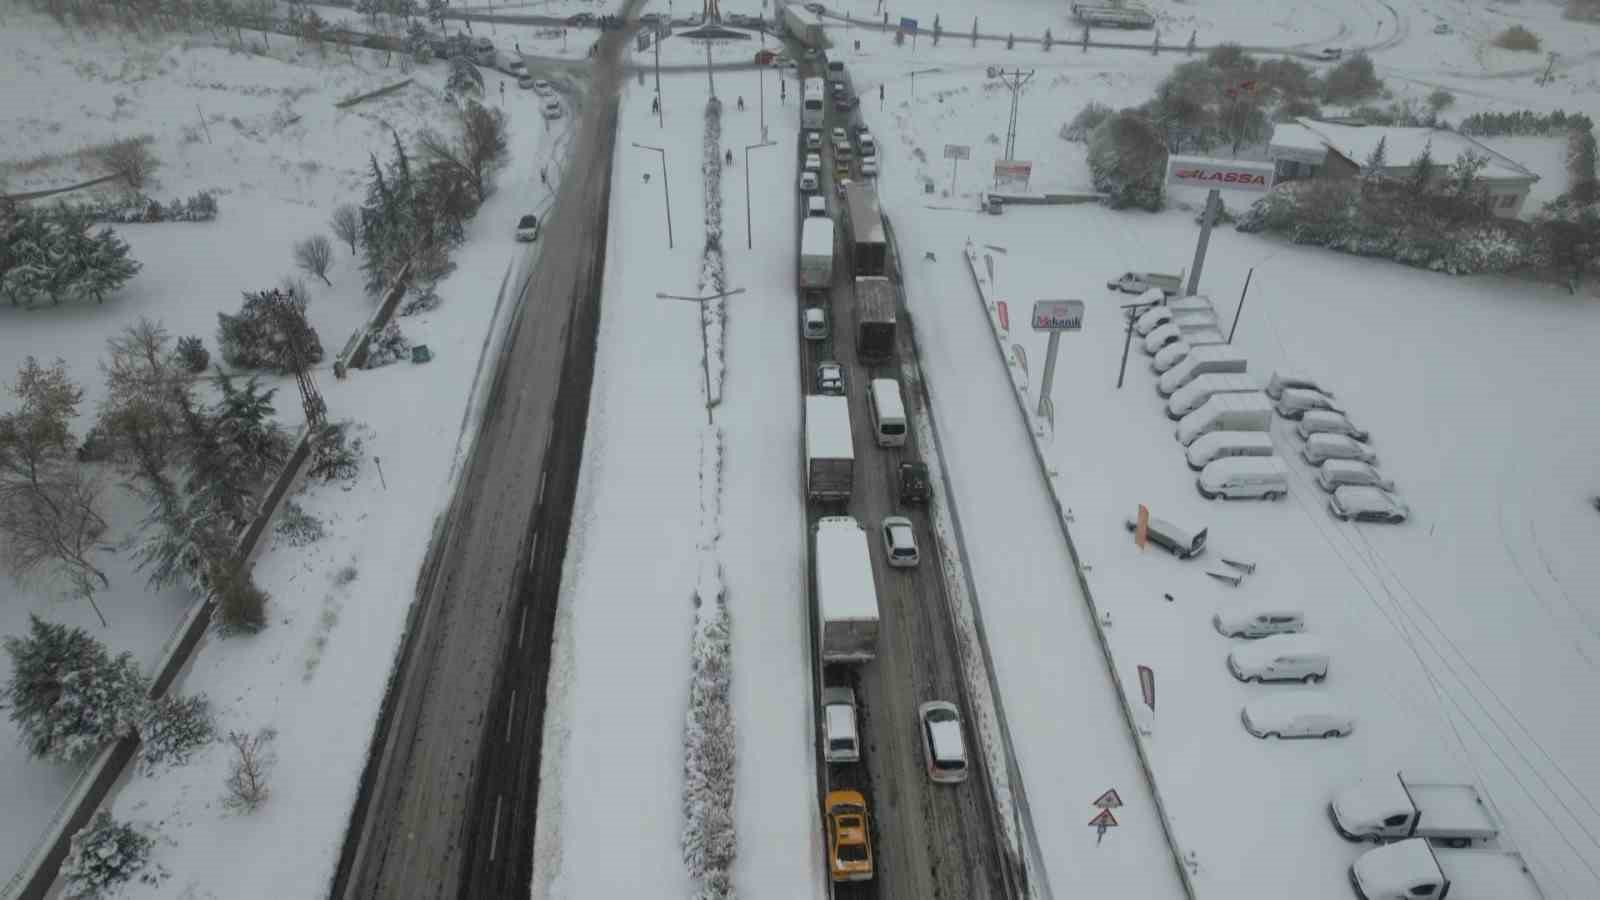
(67, 695)
(245, 426)
(182, 540)
(1377, 159)
(217, 484)
(1423, 169)
(107, 853)
(107, 267)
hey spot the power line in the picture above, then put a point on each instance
(1014, 80)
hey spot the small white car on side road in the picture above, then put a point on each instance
(899, 542)
(814, 323)
(552, 109)
(1256, 620)
(1295, 714)
(942, 745)
(1367, 504)
(1320, 448)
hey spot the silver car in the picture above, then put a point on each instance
(899, 542)
(1320, 448)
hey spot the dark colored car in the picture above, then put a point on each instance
(914, 482)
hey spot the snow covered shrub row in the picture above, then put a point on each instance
(388, 346)
(710, 843)
(269, 332)
(130, 208)
(713, 280)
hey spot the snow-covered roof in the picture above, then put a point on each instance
(845, 589)
(828, 427)
(816, 236)
(841, 721)
(946, 738)
(1305, 139)
(1391, 871)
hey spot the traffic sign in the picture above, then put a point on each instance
(1103, 819)
(1109, 800)
(957, 151)
(908, 25)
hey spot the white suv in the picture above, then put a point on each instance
(942, 745)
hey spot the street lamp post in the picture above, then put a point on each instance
(749, 241)
(665, 191)
(914, 79)
(705, 349)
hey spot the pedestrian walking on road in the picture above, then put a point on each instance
(544, 175)
(728, 157)
(741, 103)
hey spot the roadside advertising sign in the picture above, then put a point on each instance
(1221, 174)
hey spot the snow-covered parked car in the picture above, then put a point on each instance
(1295, 714)
(528, 228)
(543, 88)
(1253, 620)
(1336, 473)
(1326, 421)
(1169, 356)
(1281, 657)
(1320, 448)
(1283, 379)
(1365, 503)
(1292, 403)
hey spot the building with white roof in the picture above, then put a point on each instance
(1308, 148)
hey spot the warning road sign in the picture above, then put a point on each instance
(1104, 819)
(1108, 800)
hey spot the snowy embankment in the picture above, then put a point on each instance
(280, 156)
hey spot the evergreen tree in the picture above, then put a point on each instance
(245, 426)
(1378, 159)
(436, 10)
(107, 266)
(183, 541)
(1423, 170)
(218, 487)
(67, 695)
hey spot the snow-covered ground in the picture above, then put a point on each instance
(318, 671)
(1454, 637)
(620, 668)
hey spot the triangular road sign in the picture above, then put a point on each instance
(1108, 800)
(1103, 820)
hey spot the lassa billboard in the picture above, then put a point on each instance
(1223, 174)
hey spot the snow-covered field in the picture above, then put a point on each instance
(318, 671)
(620, 669)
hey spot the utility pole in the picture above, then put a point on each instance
(1240, 308)
(661, 113)
(666, 192)
(705, 349)
(1213, 200)
(1131, 311)
(1015, 80)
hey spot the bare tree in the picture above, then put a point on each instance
(315, 255)
(48, 520)
(346, 224)
(247, 781)
(477, 153)
(129, 159)
(147, 390)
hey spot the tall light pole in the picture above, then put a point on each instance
(1014, 81)
(665, 191)
(705, 349)
(748, 241)
(914, 79)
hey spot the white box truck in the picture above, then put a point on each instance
(1226, 412)
(830, 455)
(816, 254)
(1189, 398)
(1396, 807)
(1413, 869)
(1200, 361)
(847, 598)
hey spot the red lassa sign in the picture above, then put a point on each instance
(1202, 175)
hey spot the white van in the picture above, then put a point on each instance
(888, 412)
(1295, 715)
(1201, 360)
(1175, 539)
(1282, 380)
(1226, 412)
(1188, 398)
(1226, 444)
(1244, 477)
(1282, 657)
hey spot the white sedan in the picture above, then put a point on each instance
(899, 542)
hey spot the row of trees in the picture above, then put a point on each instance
(54, 254)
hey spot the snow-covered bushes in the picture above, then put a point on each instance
(172, 728)
(713, 313)
(246, 785)
(709, 840)
(1352, 80)
(53, 255)
(1523, 123)
(67, 694)
(297, 526)
(105, 854)
(388, 346)
(1085, 122)
(1517, 38)
(270, 332)
(335, 455)
(136, 207)
(1127, 161)
(193, 354)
